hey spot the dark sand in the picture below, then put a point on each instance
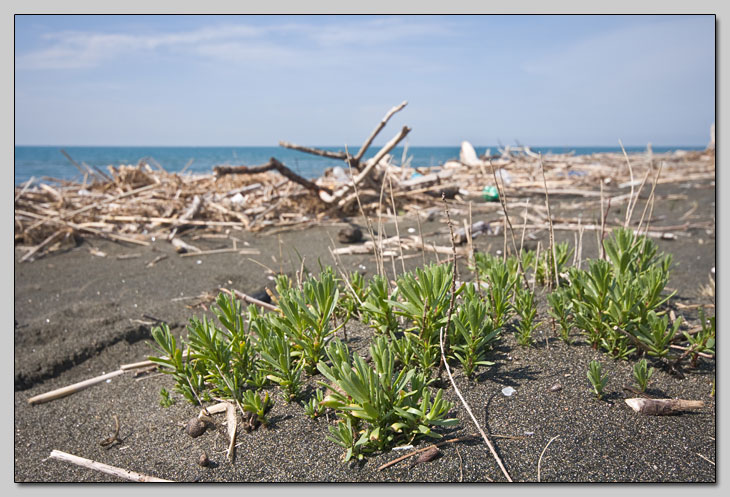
(78, 316)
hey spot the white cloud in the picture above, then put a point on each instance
(284, 42)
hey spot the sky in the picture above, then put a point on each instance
(176, 80)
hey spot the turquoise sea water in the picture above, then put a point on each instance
(49, 162)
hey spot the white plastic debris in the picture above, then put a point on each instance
(504, 176)
(403, 447)
(508, 391)
(84, 191)
(339, 174)
(237, 199)
(413, 230)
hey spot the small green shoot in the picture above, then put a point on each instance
(642, 373)
(597, 380)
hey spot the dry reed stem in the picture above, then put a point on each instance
(397, 230)
(105, 468)
(550, 219)
(503, 200)
(649, 200)
(631, 173)
(539, 462)
(445, 363)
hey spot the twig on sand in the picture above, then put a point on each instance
(706, 459)
(446, 364)
(249, 299)
(423, 449)
(76, 387)
(461, 465)
(107, 442)
(539, 462)
(232, 424)
(105, 468)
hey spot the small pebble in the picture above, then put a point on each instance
(204, 461)
(195, 427)
(556, 388)
(349, 234)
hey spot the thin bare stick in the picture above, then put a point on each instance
(446, 363)
(631, 172)
(420, 235)
(632, 206)
(603, 224)
(706, 459)
(542, 454)
(76, 387)
(649, 200)
(314, 151)
(524, 226)
(368, 223)
(45, 242)
(503, 201)
(423, 449)
(366, 171)
(652, 198)
(550, 219)
(25, 188)
(105, 468)
(250, 299)
(377, 130)
(397, 231)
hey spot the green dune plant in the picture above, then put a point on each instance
(379, 406)
(597, 379)
(642, 374)
(473, 333)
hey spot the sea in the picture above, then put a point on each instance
(45, 163)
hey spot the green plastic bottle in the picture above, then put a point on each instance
(490, 194)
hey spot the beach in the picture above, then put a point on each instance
(87, 309)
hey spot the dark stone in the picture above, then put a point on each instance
(350, 234)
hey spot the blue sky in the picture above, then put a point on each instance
(327, 80)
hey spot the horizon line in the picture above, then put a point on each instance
(372, 147)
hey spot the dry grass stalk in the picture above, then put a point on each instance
(105, 468)
(71, 389)
(539, 461)
(503, 201)
(550, 221)
(445, 363)
(631, 174)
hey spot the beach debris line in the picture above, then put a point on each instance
(139, 204)
(105, 468)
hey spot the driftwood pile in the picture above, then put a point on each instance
(139, 204)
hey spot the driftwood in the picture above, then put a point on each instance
(105, 468)
(139, 203)
(76, 387)
(273, 164)
(661, 407)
